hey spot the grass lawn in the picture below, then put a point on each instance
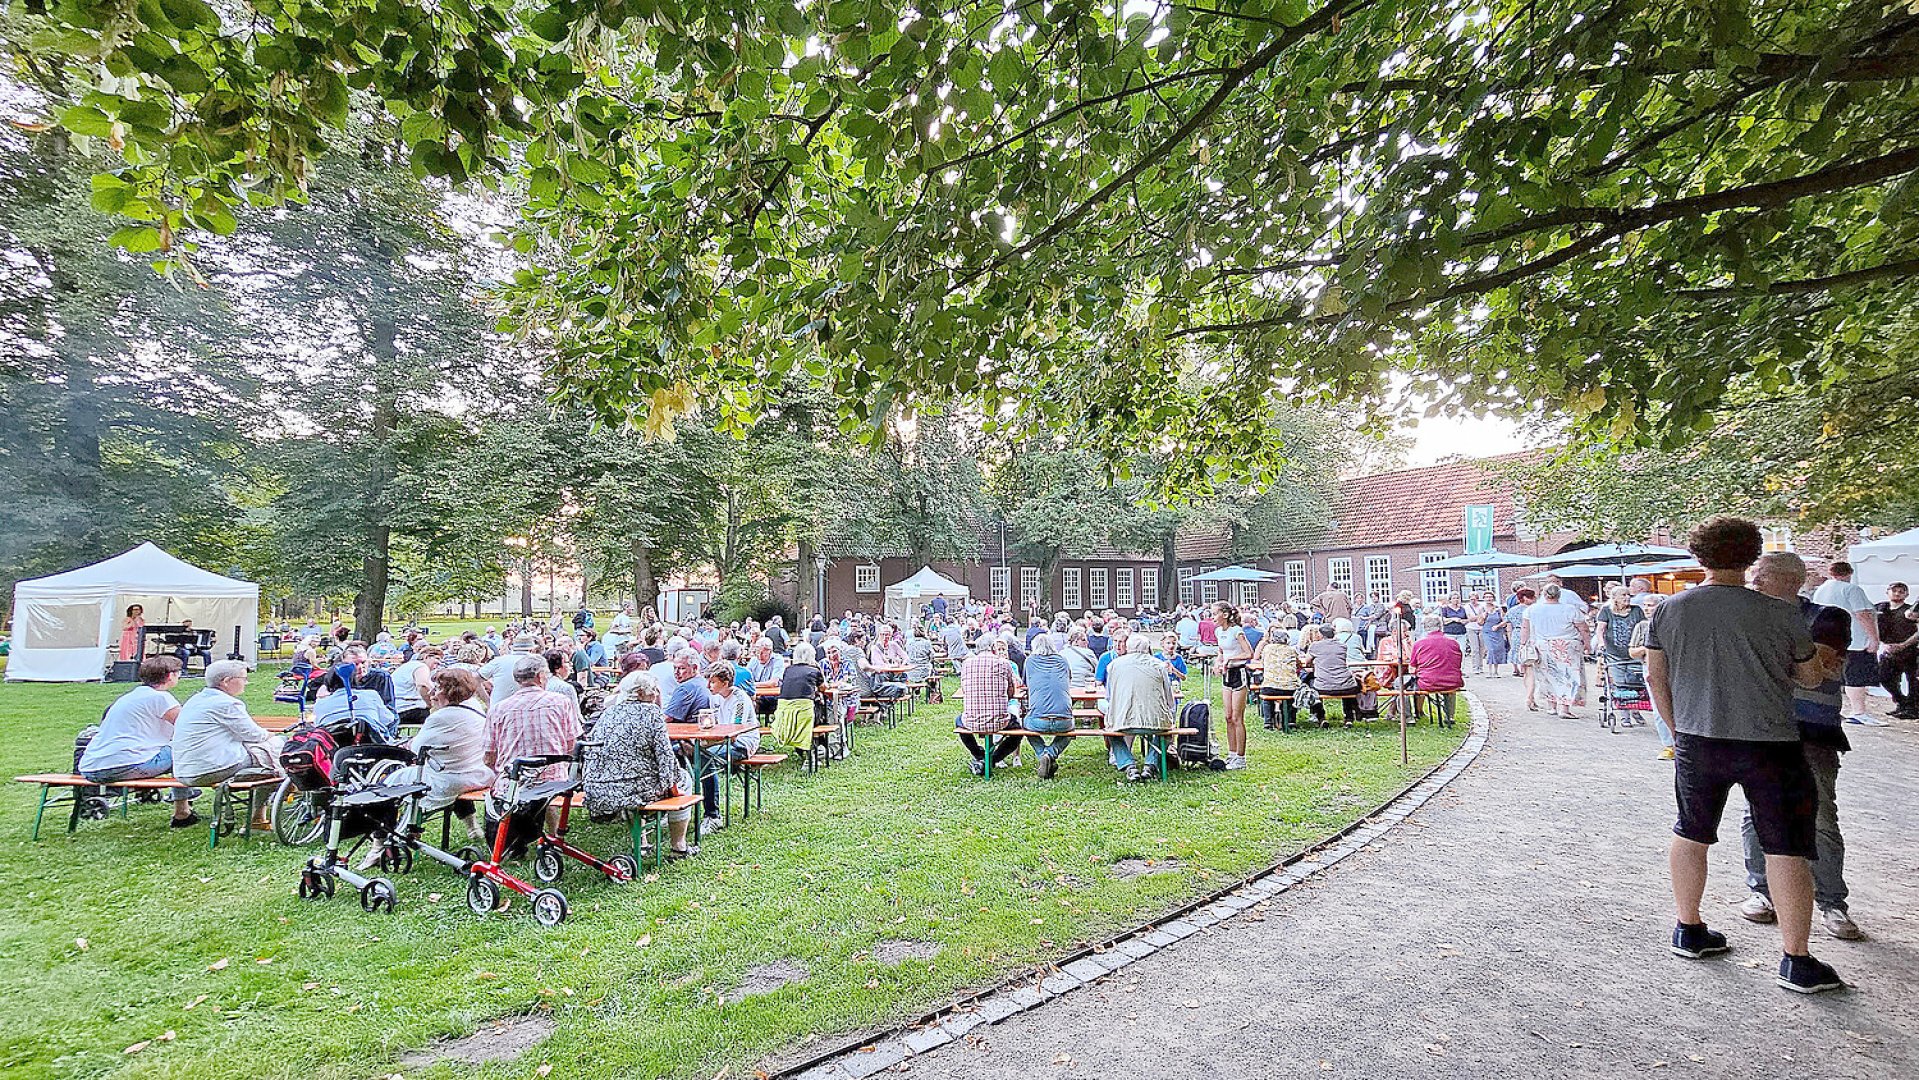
(128, 933)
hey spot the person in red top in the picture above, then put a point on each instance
(1440, 667)
(1208, 629)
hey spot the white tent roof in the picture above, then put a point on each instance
(145, 570)
(68, 626)
(1878, 563)
(929, 582)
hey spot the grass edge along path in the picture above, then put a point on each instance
(111, 934)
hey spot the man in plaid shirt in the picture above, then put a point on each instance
(531, 721)
(987, 682)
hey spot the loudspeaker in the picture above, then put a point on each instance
(124, 671)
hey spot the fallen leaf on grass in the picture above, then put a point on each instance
(543, 1069)
(80, 943)
(191, 1005)
(137, 1047)
(309, 987)
(167, 1036)
(220, 964)
(644, 941)
(1694, 1057)
(263, 960)
(434, 898)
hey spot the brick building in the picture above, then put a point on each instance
(1383, 528)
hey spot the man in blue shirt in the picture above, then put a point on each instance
(1049, 702)
(690, 695)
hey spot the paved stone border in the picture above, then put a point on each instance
(1031, 989)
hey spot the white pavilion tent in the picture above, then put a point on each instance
(66, 627)
(906, 599)
(1878, 563)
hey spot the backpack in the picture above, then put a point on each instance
(1197, 748)
(307, 756)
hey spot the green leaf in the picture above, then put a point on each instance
(191, 14)
(87, 120)
(550, 24)
(138, 239)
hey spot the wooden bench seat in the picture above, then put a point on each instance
(1159, 737)
(74, 783)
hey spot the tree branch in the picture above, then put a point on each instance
(1320, 20)
(1899, 268)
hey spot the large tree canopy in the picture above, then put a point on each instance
(1618, 210)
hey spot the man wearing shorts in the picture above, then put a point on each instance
(1862, 652)
(1721, 662)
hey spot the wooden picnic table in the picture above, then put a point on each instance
(699, 738)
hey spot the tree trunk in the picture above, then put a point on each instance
(526, 588)
(1168, 571)
(1048, 565)
(369, 604)
(646, 588)
(806, 570)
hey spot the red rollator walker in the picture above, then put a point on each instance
(523, 821)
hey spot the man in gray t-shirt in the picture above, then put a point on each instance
(1721, 661)
(1731, 651)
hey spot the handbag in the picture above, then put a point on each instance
(1305, 698)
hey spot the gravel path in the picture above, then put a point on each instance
(1516, 926)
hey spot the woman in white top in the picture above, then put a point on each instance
(1235, 656)
(453, 744)
(1556, 630)
(413, 684)
(1080, 661)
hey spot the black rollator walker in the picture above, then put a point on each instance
(363, 812)
(406, 838)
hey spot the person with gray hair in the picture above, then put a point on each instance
(216, 740)
(1822, 736)
(628, 760)
(1049, 702)
(1139, 700)
(532, 722)
(1441, 667)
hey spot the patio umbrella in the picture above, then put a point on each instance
(1235, 573)
(1485, 560)
(1618, 553)
(1621, 570)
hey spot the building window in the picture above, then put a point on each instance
(1185, 584)
(1295, 579)
(1340, 573)
(1248, 594)
(1123, 587)
(1002, 586)
(1069, 588)
(1778, 538)
(1096, 585)
(1434, 584)
(866, 579)
(1486, 581)
(1029, 588)
(1208, 590)
(1379, 577)
(1149, 587)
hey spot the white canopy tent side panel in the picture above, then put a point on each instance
(1878, 563)
(906, 599)
(67, 626)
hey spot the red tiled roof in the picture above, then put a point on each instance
(1416, 505)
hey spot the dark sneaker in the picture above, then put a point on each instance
(1048, 764)
(187, 822)
(1806, 975)
(978, 767)
(1696, 942)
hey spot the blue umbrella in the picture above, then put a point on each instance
(1485, 560)
(1235, 573)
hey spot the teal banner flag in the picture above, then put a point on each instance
(1479, 530)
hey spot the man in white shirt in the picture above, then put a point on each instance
(136, 735)
(1862, 652)
(216, 740)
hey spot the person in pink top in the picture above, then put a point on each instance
(1440, 666)
(1208, 629)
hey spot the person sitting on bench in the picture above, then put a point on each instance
(136, 735)
(216, 740)
(1327, 659)
(1139, 701)
(987, 680)
(1440, 664)
(1049, 702)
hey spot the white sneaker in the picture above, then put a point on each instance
(1757, 908)
(1840, 925)
(1234, 762)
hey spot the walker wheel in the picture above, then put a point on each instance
(482, 895)
(378, 893)
(549, 864)
(96, 809)
(624, 868)
(308, 889)
(327, 883)
(549, 907)
(469, 855)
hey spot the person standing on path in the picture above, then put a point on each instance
(1721, 661)
(1862, 652)
(1899, 651)
(1782, 574)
